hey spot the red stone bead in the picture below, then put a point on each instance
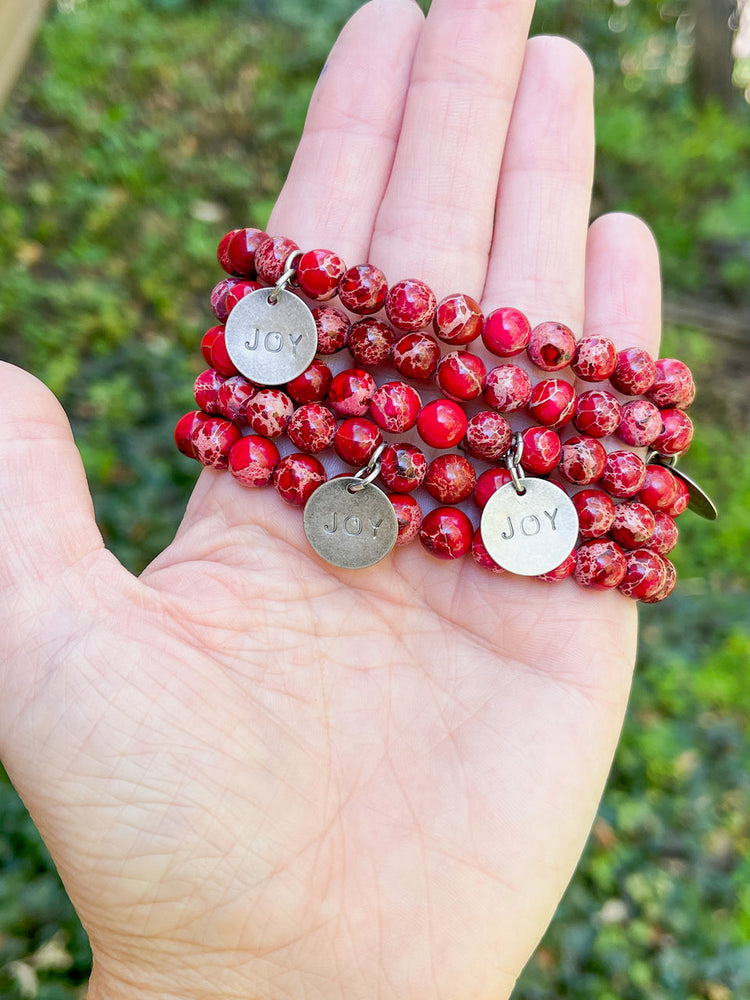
(252, 460)
(296, 478)
(624, 473)
(687, 400)
(665, 536)
(551, 346)
(669, 585)
(184, 430)
(676, 433)
(582, 460)
(633, 525)
(370, 341)
(403, 467)
(238, 256)
(541, 450)
(442, 423)
(461, 376)
(206, 390)
(681, 499)
(600, 565)
(214, 350)
(409, 517)
(659, 488)
(446, 533)
(490, 482)
(596, 512)
(595, 359)
(598, 413)
(507, 388)
(673, 383)
(450, 478)
(645, 574)
(350, 392)
(634, 372)
(233, 397)
(481, 556)
(333, 328)
(219, 297)
(362, 289)
(553, 402)
(238, 292)
(506, 332)
(271, 258)
(416, 356)
(212, 441)
(640, 423)
(319, 273)
(458, 319)
(356, 439)
(488, 436)
(311, 428)
(410, 305)
(268, 412)
(312, 385)
(222, 252)
(561, 572)
(395, 407)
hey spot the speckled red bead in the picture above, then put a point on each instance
(676, 433)
(659, 487)
(410, 305)
(236, 253)
(640, 423)
(541, 450)
(669, 584)
(490, 482)
(633, 525)
(450, 478)
(598, 413)
(634, 372)
(356, 439)
(311, 428)
(212, 441)
(252, 460)
(362, 289)
(561, 572)
(665, 536)
(624, 473)
(488, 436)
(416, 356)
(442, 423)
(600, 564)
(681, 499)
(408, 515)
(645, 574)
(596, 512)
(214, 350)
(185, 429)
(296, 478)
(350, 392)
(222, 253)
(271, 257)
(458, 319)
(318, 274)
(506, 332)
(672, 384)
(312, 385)
(507, 388)
(403, 467)
(552, 402)
(395, 407)
(333, 328)
(370, 341)
(206, 390)
(551, 346)
(446, 533)
(595, 359)
(233, 396)
(461, 376)
(268, 412)
(481, 556)
(219, 297)
(582, 460)
(238, 292)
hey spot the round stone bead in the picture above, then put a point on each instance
(506, 332)
(410, 305)
(311, 428)
(333, 328)
(645, 574)
(640, 423)
(408, 515)
(541, 450)
(252, 460)
(214, 350)
(268, 412)
(350, 392)
(184, 430)
(561, 572)
(624, 473)
(676, 433)
(659, 488)
(596, 512)
(442, 423)
(450, 478)
(206, 390)
(296, 478)
(416, 356)
(355, 440)
(598, 413)
(669, 584)
(446, 533)
(551, 346)
(219, 297)
(233, 396)
(461, 376)
(212, 440)
(222, 254)
(600, 564)
(370, 341)
(481, 556)
(507, 388)
(681, 499)
(633, 525)
(271, 258)
(666, 534)
(458, 319)
(238, 292)
(403, 467)
(687, 400)
(488, 436)
(634, 372)
(319, 273)
(673, 383)
(553, 402)
(362, 289)
(582, 460)
(490, 482)
(312, 385)
(237, 255)
(395, 407)
(595, 359)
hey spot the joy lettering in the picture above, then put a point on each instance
(273, 342)
(529, 525)
(351, 525)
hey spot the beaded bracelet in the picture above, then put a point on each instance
(616, 531)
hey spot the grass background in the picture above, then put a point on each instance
(138, 133)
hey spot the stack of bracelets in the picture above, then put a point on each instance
(269, 391)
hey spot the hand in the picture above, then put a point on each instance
(262, 776)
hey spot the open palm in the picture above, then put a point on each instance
(262, 776)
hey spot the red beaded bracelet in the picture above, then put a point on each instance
(269, 338)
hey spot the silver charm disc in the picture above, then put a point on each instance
(271, 343)
(529, 533)
(349, 523)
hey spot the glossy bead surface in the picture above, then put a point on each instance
(634, 372)
(350, 392)
(319, 273)
(410, 305)
(370, 341)
(268, 412)
(561, 572)
(666, 534)
(507, 388)
(640, 423)
(676, 433)
(488, 436)
(551, 346)
(506, 332)
(541, 450)
(596, 512)
(403, 467)
(296, 478)
(214, 350)
(633, 525)
(450, 478)
(408, 515)
(312, 385)
(416, 356)
(669, 584)
(238, 292)
(481, 556)
(600, 565)
(552, 402)
(446, 533)
(206, 390)
(362, 289)
(673, 383)
(681, 499)
(490, 482)
(239, 253)
(252, 460)
(222, 253)
(219, 297)
(355, 440)
(212, 441)
(233, 397)
(395, 407)
(184, 430)
(271, 257)
(442, 423)
(598, 413)
(461, 376)
(659, 488)
(333, 328)
(582, 460)
(311, 428)
(595, 359)
(645, 574)
(624, 473)
(458, 319)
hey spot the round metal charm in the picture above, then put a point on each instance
(349, 523)
(531, 532)
(271, 342)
